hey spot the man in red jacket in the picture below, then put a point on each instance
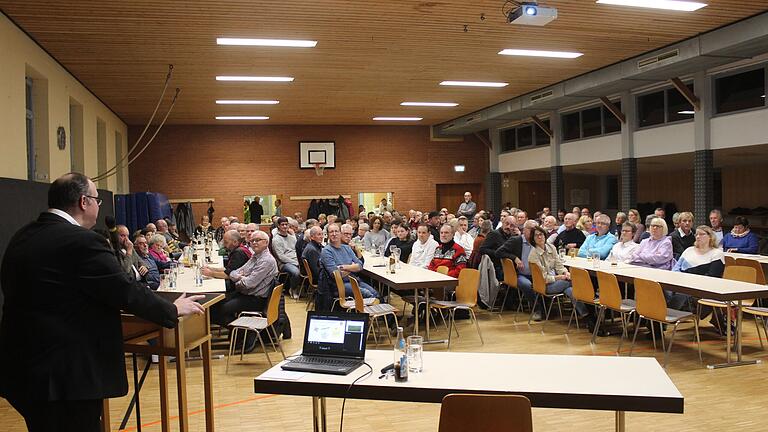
(449, 253)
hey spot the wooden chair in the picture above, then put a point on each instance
(416, 302)
(540, 287)
(310, 283)
(347, 303)
(485, 413)
(759, 273)
(510, 281)
(466, 298)
(583, 291)
(652, 306)
(737, 272)
(374, 311)
(255, 321)
(610, 298)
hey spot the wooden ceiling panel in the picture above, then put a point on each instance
(371, 55)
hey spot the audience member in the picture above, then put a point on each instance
(740, 239)
(423, 249)
(284, 247)
(600, 242)
(702, 258)
(682, 237)
(462, 237)
(338, 256)
(623, 249)
(142, 260)
(634, 216)
(377, 236)
(621, 217)
(571, 237)
(716, 222)
(448, 254)
(476, 256)
(205, 227)
(402, 241)
(495, 239)
(656, 250)
(312, 251)
(157, 252)
(346, 238)
(467, 208)
(237, 253)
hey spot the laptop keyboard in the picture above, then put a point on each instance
(325, 361)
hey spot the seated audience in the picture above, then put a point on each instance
(703, 258)
(495, 239)
(633, 216)
(600, 242)
(346, 238)
(449, 253)
(740, 239)
(402, 241)
(477, 221)
(621, 217)
(423, 249)
(284, 247)
(362, 230)
(623, 249)
(218, 235)
(338, 256)
(716, 222)
(312, 251)
(656, 250)
(462, 237)
(150, 275)
(571, 237)
(205, 227)
(252, 283)
(433, 221)
(518, 248)
(585, 225)
(237, 253)
(476, 256)
(377, 236)
(682, 237)
(157, 252)
(549, 224)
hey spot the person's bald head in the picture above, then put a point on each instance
(162, 225)
(231, 240)
(508, 224)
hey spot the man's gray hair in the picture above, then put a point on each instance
(234, 235)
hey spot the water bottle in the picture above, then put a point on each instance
(198, 276)
(401, 358)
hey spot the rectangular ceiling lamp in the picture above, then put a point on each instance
(397, 118)
(267, 42)
(474, 84)
(242, 118)
(246, 102)
(675, 5)
(430, 104)
(254, 78)
(537, 53)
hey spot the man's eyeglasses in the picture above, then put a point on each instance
(97, 199)
(657, 226)
(255, 241)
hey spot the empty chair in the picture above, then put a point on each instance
(485, 413)
(610, 298)
(374, 311)
(652, 306)
(254, 321)
(583, 291)
(540, 287)
(466, 298)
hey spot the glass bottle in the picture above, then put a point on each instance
(401, 357)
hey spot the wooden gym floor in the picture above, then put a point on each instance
(723, 399)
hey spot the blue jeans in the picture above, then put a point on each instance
(294, 275)
(525, 286)
(366, 290)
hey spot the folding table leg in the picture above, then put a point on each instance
(620, 421)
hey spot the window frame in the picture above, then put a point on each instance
(603, 112)
(726, 74)
(665, 90)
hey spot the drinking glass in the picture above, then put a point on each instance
(415, 354)
(167, 278)
(562, 254)
(595, 260)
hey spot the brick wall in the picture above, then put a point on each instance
(228, 162)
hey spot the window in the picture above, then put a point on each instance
(591, 122)
(650, 109)
(508, 142)
(610, 123)
(741, 91)
(30, 123)
(524, 136)
(571, 126)
(542, 139)
(678, 107)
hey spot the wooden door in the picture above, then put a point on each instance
(534, 195)
(451, 196)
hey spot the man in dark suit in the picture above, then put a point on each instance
(61, 345)
(256, 210)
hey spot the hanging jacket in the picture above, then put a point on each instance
(343, 211)
(489, 286)
(314, 209)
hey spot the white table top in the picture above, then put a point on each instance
(701, 286)
(186, 280)
(407, 276)
(549, 381)
(762, 259)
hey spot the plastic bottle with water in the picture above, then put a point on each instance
(401, 357)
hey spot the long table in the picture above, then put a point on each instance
(408, 277)
(186, 279)
(691, 284)
(606, 383)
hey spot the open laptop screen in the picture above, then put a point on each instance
(335, 334)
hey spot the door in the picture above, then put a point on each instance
(534, 195)
(451, 196)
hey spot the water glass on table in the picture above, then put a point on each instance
(595, 260)
(415, 350)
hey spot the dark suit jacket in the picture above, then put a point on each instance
(512, 248)
(493, 241)
(61, 335)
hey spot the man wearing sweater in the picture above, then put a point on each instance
(601, 242)
(683, 237)
(423, 249)
(449, 253)
(338, 256)
(495, 239)
(284, 247)
(570, 237)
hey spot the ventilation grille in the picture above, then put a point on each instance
(650, 61)
(541, 96)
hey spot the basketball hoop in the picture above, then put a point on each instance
(319, 169)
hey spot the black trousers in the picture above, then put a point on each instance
(225, 311)
(60, 416)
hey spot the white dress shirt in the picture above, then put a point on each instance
(422, 253)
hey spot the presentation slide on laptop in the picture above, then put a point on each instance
(326, 331)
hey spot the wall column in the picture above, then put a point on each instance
(493, 179)
(628, 179)
(703, 157)
(556, 183)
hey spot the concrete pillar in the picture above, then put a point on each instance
(628, 179)
(703, 157)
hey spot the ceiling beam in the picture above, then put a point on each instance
(484, 140)
(687, 93)
(614, 109)
(543, 126)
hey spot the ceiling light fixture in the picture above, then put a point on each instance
(397, 118)
(267, 42)
(254, 78)
(474, 84)
(537, 53)
(242, 118)
(246, 102)
(430, 104)
(675, 5)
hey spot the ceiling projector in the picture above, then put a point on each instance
(530, 13)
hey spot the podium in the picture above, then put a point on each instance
(190, 333)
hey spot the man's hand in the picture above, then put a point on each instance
(127, 244)
(188, 305)
(519, 264)
(143, 270)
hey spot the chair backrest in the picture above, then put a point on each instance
(759, 273)
(740, 273)
(610, 293)
(466, 290)
(485, 413)
(539, 284)
(273, 307)
(340, 285)
(359, 304)
(650, 300)
(442, 270)
(308, 271)
(510, 272)
(583, 289)
(729, 261)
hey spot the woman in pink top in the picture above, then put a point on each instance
(656, 250)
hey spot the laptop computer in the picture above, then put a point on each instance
(334, 343)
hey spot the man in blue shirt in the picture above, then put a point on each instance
(600, 242)
(338, 256)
